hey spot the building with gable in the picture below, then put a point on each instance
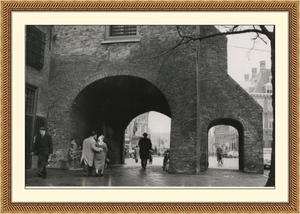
(259, 86)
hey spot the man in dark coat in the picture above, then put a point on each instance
(145, 146)
(43, 147)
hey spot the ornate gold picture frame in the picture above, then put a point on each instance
(7, 206)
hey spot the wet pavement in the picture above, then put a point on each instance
(131, 174)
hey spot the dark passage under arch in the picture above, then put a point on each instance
(109, 104)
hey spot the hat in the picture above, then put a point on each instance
(42, 128)
(145, 134)
(93, 133)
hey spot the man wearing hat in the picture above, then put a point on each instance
(87, 156)
(43, 147)
(145, 146)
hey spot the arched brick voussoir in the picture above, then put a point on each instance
(103, 74)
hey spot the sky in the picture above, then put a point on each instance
(241, 60)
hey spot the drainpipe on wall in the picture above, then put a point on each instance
(198, 103)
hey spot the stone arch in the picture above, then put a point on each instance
(109, 103)
(239, 127)
(93, 77)
(207, 123)
(250, 144)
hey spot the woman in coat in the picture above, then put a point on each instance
(99, 158)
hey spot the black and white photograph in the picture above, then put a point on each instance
(148, 111)
(186, 106)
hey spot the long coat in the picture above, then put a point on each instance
(145, 145)
(43, 147)
(99, 159)
(88, 145)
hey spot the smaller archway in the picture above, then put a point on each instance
(158, 128)
(235, 136)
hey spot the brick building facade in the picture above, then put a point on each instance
(104, 76)
(37, 69)
(135, 130)
(259, 86)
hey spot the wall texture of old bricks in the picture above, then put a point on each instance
(193, 79)
(220, 97)
(39, 79)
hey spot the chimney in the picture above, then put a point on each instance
(246, 77)
(254, 72)
(262, 66)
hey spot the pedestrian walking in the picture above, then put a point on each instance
(145, 145)
(87, 156)
(136, 153)
(100, 156)
(166, 160)
(219, 155)
(43, 148)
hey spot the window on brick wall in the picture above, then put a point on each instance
(122, 30)
(270, 123)
(30, 94)
(269, 89)
(35, 47)
(122, 33)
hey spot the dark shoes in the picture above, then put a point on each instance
(43, 175)
(97, 175)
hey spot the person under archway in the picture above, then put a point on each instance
(219, 154)
(145, 146)
(100, 156)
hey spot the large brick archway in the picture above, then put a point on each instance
(108, 105)
(189, 84)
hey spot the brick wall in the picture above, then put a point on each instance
(40, 79)
(81, 64)
(81, 60)
(222, 98)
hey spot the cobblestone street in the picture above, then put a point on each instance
(131, 174)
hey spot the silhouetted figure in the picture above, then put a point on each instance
(145, 146)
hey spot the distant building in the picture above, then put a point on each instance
(259, 86)
(160, 141)
(227, 137)
(135, 130)
(211, 141)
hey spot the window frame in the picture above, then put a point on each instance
(118, 39)
(35, 43)
(270, 122)
(34, 100)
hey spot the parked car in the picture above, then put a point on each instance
(233, 154)
(267, 157)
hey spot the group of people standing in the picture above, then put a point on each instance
(94, 155)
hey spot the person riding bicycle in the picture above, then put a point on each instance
(219, 153)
